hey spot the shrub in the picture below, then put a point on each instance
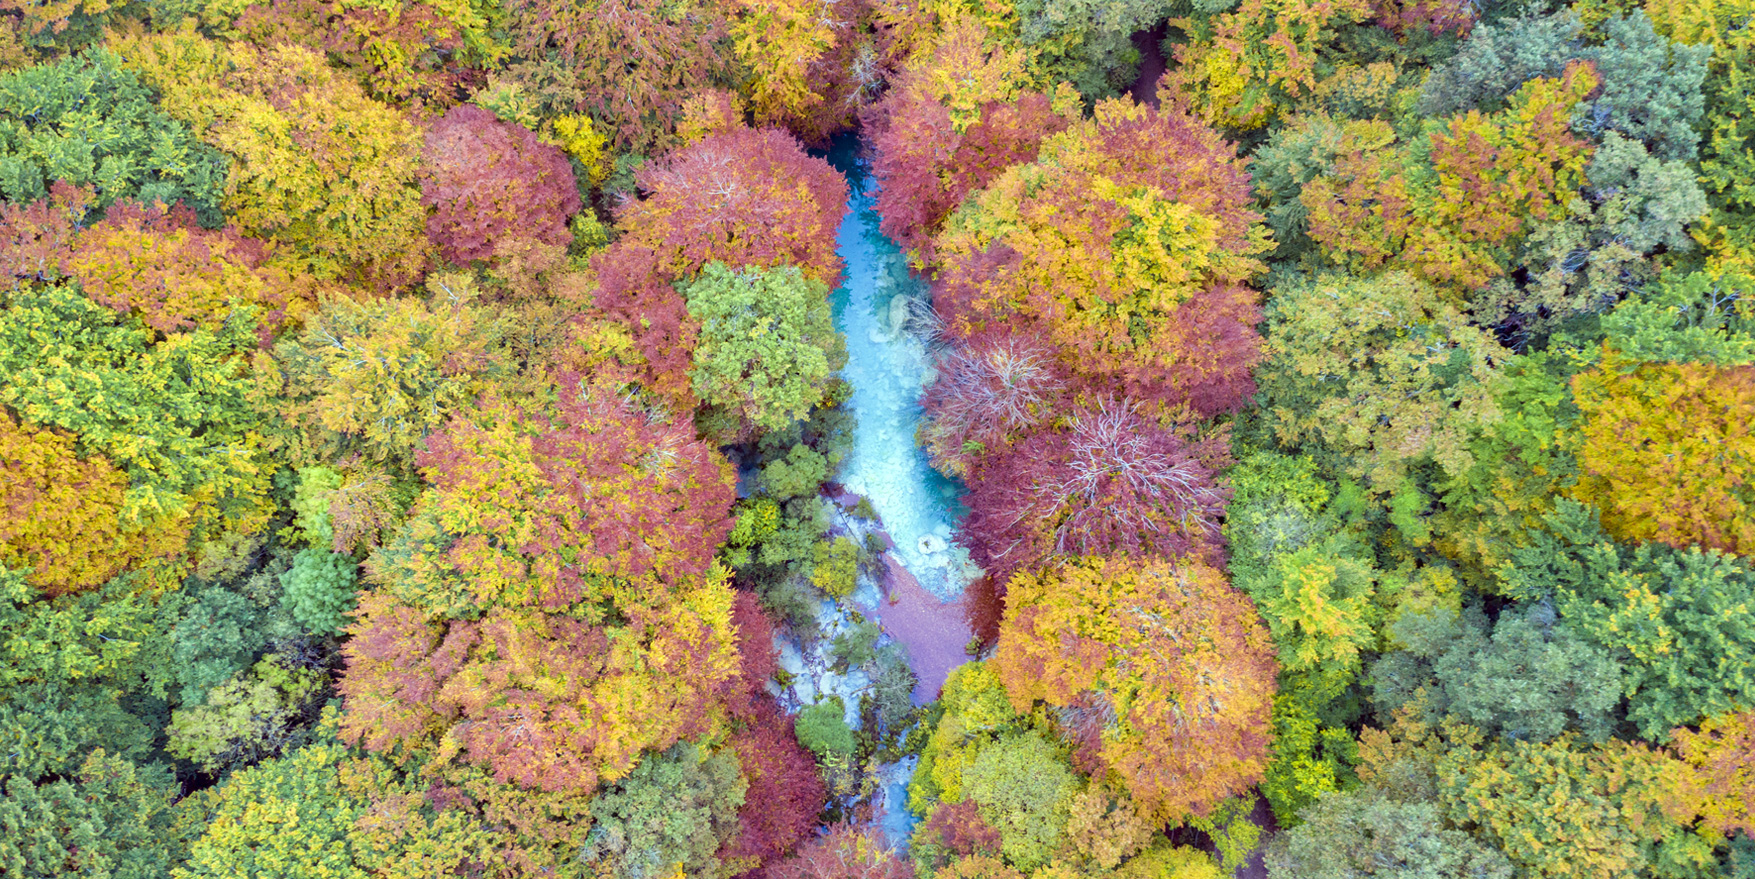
(320, 590)
(823, 729)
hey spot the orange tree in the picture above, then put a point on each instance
(552, 608)
(1163, 674)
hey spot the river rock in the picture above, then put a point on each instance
(931, 544)
(899, 315)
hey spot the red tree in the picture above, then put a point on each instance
(551, 606)
(847, 852)
(786, 793)
(953, 831)
(491, 183)
(633, 291)
(759, 658)
(924, 167)
(35, 237)
(1434, 16)
(745, 197)
(408, 52)
(989, 390)
(1111, 482)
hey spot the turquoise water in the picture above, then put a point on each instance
(888, 367)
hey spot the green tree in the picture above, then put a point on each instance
(1381, 373)
(1675, 619)
(1088, 42)
(178, 416)
(107, 820)
(1697, 317)
(287, 819)
(250, 717)
(1365, 835)
(822, 727)
(217, 629)
(319, 590)
(70, 669)
(768, 347)
(1498, 57)
(670, 815)
(1532, 680)
(1025, 789)
(1651, 87)
(1319, 604)
(87, 121)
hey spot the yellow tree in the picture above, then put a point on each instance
(62, 513)
(1668, 452)
(1128, 245)
(316, 164)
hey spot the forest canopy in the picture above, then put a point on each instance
(877, 439)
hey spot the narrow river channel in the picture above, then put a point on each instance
(888, 365)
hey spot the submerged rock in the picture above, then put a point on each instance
(899, 308)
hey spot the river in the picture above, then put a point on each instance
(888, 366)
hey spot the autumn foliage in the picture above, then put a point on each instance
(1669, 452)
(176, 275)
(1112, 482)
(741, 197)
(62, 511)
(1127, 246)
(785, 795)
(745, 197)
(317, 165)
(925, 164)
(1163, 672)
(846, 852)
(146, 259)
(631, 62)
(989, 391)
(406, 52)
(800, 54)
(1722, 754)
(1490, 178)
(588, 507)
(1245, 67)
(35, 235)
(491, 183)
(552, 605)
(544, 700)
